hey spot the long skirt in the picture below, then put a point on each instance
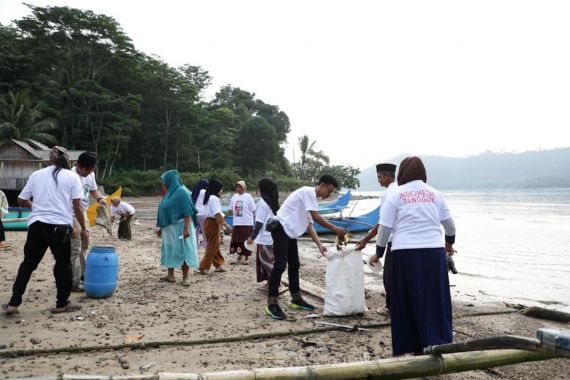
(265, 258)
(176, 252)
(213, 254)
(239, 235)
(420, 300)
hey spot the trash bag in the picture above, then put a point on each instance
(344, 283)
(103, 218)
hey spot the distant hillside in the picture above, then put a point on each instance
(546, 168)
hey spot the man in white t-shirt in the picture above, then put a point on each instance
(386, 178)
(56, 194)
(125, 212)
(295, 217)
(86, 164)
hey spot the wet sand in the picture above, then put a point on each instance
(220, 305)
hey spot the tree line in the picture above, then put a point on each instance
(74, 78)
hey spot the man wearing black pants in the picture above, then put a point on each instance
(386, 178)
(56, 194)
(295, 217)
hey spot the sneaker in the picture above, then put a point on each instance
(275, 312)
(301, 304)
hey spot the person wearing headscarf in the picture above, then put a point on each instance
(176, 221)
(242, 208)
(213, 224)
(420, 305)
(266, 208)
(198, 197)
(55, 193)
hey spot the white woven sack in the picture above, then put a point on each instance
(344, 283)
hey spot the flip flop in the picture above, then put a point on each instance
(167, 279)
(9, 312)
(4, 246)
(200, 271)
(66, 309)
(220, 270)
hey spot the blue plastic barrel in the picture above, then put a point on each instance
(101, 268)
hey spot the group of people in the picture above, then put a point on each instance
(275, 229)
(58, 196)
(408, 233)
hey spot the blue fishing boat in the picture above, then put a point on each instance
(352, 224)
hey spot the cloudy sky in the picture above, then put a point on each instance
(372, 79)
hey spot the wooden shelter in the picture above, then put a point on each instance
(19, 159)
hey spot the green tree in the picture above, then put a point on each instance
(20, 120)
(257, 146)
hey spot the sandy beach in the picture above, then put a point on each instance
(220, 305)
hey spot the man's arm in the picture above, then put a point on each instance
(25, 203)
(97, 195)
(323, 222)
(78, 211)
(316, 239)
(362, 242)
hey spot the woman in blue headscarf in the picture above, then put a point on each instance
(176, 221)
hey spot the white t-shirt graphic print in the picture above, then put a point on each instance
(242, 206)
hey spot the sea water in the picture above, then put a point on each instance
(513, 245)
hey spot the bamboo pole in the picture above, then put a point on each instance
(393, 368)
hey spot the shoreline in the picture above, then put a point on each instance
(144, 309)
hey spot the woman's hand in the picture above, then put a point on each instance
(249, 241)
(186, 233)
(159, 232)
(322, 249)
(373, 260)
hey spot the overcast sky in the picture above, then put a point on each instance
(368, 79)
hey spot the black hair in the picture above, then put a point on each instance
(87, 160)
(269, 193)
(328, 179)
(60, 162)
(214, 187)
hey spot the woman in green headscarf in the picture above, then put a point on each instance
(176, 221)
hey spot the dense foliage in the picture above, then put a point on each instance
(73, 77)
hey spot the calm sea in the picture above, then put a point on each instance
(513, 245)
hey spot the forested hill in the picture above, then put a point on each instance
(533, 169)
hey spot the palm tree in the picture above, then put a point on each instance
(308, 153)
(19, 120)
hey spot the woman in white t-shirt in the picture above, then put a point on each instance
(198, 197)
(212, 226)
(420, 300)
(266, 208)
(242, 208)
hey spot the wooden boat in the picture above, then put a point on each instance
(324, 207)
(17, 218)
(352, 224)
